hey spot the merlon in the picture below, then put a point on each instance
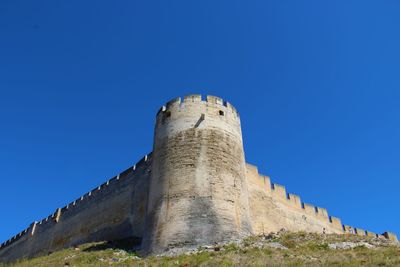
(194, 188)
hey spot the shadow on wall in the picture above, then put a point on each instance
(128, 244)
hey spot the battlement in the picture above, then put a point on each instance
(51, 220)
(197, 177)
(19, 236)
(279, 193)
(189, 101)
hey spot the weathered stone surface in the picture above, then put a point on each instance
(113, 211)
(194, 189)
(198, 190)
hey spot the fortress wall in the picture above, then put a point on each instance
(360, 232)
(295, 201)
(114, 210)
(262, 181)
(371, 234)
(349, 229)
(198, 192)
(279, 192)
(309, 209)
(390, 236)
(336, 223)
(194, 189)
(272, 210)
(18, 240)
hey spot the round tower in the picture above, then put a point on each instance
(198, 189)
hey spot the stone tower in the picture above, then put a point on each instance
(198, 192)
(193, 189)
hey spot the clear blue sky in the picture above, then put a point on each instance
(317, 85)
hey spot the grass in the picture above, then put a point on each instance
(302, 250)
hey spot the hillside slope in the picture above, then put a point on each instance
(281, 249)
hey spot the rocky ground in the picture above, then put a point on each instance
(275, 249)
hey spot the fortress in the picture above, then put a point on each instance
(194, 188)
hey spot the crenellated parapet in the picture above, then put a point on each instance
(202, 103)
(198, 175)
(279, 193)
(57, 216)
(195, 113)
(193, 189)
(390, 236)
(28, 231)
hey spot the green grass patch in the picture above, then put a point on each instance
(302, 250)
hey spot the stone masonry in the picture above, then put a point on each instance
(193, 189)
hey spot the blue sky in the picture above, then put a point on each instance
(316, 83)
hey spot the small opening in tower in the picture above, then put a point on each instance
(167, 113)
(221, 113)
